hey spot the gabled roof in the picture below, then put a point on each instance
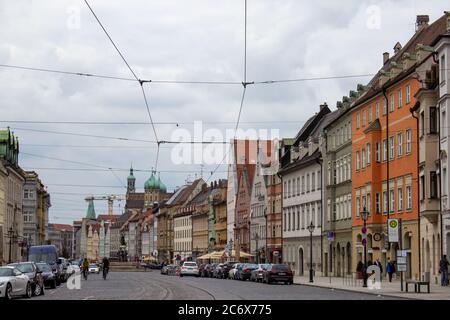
(61, 227)
(301, 163)
(374, 126)
(425, 36)
(107, 217)
(311, 124)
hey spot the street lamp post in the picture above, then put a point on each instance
(28, 247)
(10, 236)
(256, 238)
(364, 214)
(311, 230)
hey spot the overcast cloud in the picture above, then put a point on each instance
(177, 40)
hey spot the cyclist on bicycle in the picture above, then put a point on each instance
(105, 263)
(85, 267)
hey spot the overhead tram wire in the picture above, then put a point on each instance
(141, 82)
(244, 84)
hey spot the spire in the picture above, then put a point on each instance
(131, 181)
(90, 213)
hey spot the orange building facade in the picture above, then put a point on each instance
(384, 173)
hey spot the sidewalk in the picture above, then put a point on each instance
(387, 289)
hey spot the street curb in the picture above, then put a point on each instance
(354, 291)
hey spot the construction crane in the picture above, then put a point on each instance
(110, 198)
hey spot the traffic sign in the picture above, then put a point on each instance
(364, 230)
(401, 267)
(401, 260)
(393, 230)
(364, 242)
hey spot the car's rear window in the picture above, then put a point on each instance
(280, 267)
(190, 264)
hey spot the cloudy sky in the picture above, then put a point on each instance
(187, 40)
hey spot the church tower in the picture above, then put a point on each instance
(131, 182)
(154, 188)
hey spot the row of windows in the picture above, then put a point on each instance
(365, 117)
(186, 233)
(340, 135)
(364, 156)
(340, 209)
(299, 217)
(257, 210)
(339, 170)
(400, 200)
(183, 222)
(309, 183)
(260, 230)
(183, 246)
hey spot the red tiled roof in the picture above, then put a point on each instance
(61, 227)
(425, 36)
(107, 217)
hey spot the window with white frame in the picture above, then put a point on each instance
(358, 161)
(377, 152)
(308, 185)
(303, 185)
(289, 188)
(313, 181)
(368, 153)
(391, 147)
(400, 199)
(357, 120)
(408, 198)
(385, 202)
(408, 93)
(357, 206)
(384, 106)
(377, 202)
(377, 110)
(408, 141)
(399, 98)
(392, 200)
(364, 118)
(385, 150)
(442, 69)
(363, 158)
(399, 144)
(319, 180)
(370, 114)
(298, 186)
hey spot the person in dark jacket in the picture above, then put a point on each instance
(443, 270)
(390, 269)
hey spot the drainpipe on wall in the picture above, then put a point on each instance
(387, 163)
(418, 198)
(320, 162)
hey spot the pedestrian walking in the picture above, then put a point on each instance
(443, 270)
(390, 269)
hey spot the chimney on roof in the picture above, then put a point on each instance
(323, 106)
(422, 21)
(397, 47)
(385, 57)
(204, 187)
(447, 13)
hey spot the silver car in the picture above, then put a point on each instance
(189, 269)
(14, 283)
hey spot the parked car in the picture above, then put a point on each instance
(257, 274)
(201, 267)
(34, 274)
(47, 275)
(246, 271)
(278, 273)
(72, 268)
(210, 269)
(227, 266)
(189, 268)
(205, 270)
(232, 272)
(237, 273)
(47, 254)
(14, 283)
(217, 272)
(93, 268)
